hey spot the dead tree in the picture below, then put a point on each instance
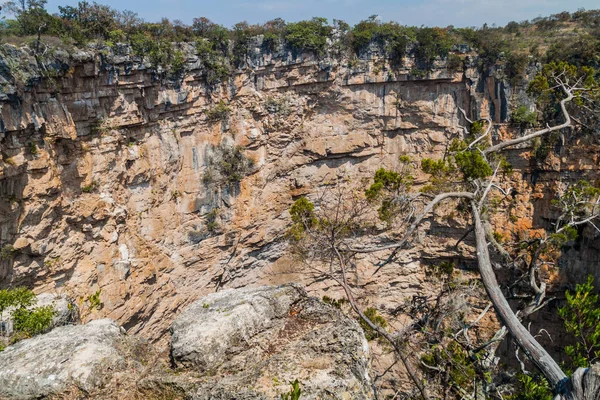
(479, 162)
(565, 83)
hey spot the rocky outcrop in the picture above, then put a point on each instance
(84, 357)
(235, 344)
(253, 341)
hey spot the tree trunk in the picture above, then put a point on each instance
(540, 357)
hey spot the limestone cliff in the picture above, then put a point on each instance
(104, 162)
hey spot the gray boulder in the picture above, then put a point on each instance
(84, 357)
(65, 310)
(250, 343)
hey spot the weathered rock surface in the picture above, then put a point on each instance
(83, 357)
(253, 341)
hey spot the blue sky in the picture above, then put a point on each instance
(408, 12)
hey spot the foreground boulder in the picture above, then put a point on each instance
(83, 357)
(250, 343)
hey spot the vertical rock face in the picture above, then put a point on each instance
(105, 173)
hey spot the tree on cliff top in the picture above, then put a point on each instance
(468, 174)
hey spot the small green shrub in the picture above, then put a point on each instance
(455, 63)
(473, 165)
(376, 319)
(523, 117)
(337, 303)
(418, 73)
(455, 361)
(532, 388)
(227, 165)
(211, 220)
(8, 252)
(178, 62)
(28, 320)
(477, 128)
(294, 393)
(219, 112)
(94, 300)
(33, 322)
(89, 188)
(32, 148)
(444, 268)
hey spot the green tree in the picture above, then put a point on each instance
(581, 316)
(308, 35)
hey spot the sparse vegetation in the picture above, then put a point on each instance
(219, 112)
(373, 315)
(94, 301)
(294, 393)
(8, 252)
(28, 320)
(524, 117)
(89, 188)
(226, 165)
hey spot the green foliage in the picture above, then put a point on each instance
(581, 315)
(294, 393)
(532, 388)
(19, 297)
(473, 165)
(32, 148)
(211, 220)
(432, 43)
(337, 303)
(8, 252)
(227, 165)
(308, 35)
(302, 211)
(390, 37)
(515, 66)
(432, 167)
(387, 186)
(544, 87)
(178, 62)
(505, 166)
(28, 320)
(303, 217)
(578, 200)
(522, 116)
(455, 360)
(219, 112)
(376, 319)
(33, 322)
(444, 268)
(561, 238)
(89, 188)
(477, 128)
(383, 180)
(455, 63)
(94, 300)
